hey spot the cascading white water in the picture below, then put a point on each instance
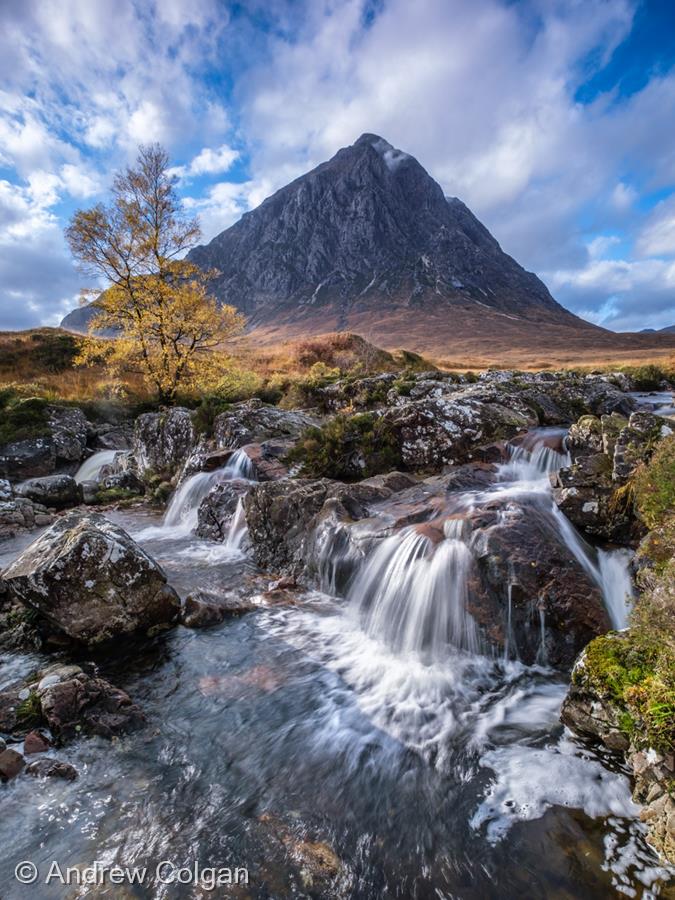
(530, 465)
(412, 593)
(90, 468)
(181, 515)
(238, 528)
(616, 583)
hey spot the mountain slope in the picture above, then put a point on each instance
(369, 229)
(368, 243)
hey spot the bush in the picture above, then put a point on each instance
(348, 448)
(648, 377)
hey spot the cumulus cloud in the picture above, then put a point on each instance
(208, 162)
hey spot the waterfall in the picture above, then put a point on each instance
(617, 586)
(238, 528)
(182, 513)
(531, 464)
(412, 593)
(90, 468)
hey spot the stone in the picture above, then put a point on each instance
(164, 440)
(218, 507)
(34, 742)
(21, 514)
(69, 428)
(73, 703)
(51, 768)
(54, 491)
(11, 764)
(204, 608)
(253, 422)
(91, 581)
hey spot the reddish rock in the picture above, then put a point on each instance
(34, 742)
(11, 764)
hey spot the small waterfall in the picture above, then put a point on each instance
(532, 464)
(238, 528)
(182, 513)
(616, 583)
(412, 592)
(611, 571)
(90, 468)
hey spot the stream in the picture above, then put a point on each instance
(368, 717)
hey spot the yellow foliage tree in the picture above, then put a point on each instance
(157, 306)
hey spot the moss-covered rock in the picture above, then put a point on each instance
(654, 485)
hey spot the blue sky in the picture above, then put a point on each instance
(554, 120)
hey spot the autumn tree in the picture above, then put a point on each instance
(157, 306)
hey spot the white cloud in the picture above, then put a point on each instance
(208, 162)
(658, 235)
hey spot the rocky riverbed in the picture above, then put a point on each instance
(338, 656)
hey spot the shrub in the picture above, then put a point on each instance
(648, 377)
(348, 448)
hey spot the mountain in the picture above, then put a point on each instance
(367, 242)
(669, 329)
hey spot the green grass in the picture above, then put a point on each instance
(654, 485)
(21, 419)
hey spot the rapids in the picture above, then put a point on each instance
(369, 717)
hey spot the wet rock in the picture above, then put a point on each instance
(584, 492)
(253, 422)
(317, 862)
(35, 742)
(204, 608)
(164, 440)
(556, 607)
(91, 581)
(90, 491)
(282, 518)
(21, 514)
(54, 491)
(216, 510)
(6, 492)
(654, 775)
(51, 768)
(3, 745)
(11, 764)
(73, 702)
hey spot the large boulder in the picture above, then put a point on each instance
(635, 443)
(253, 422)
(54, 491)
(91, 581)
(438, 431)
(164, 440)
(63, 445)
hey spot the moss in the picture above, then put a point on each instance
(23, 419)
(635, 670)
(348, 448)
(115, 495)
(654, 485)
(29, 712)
